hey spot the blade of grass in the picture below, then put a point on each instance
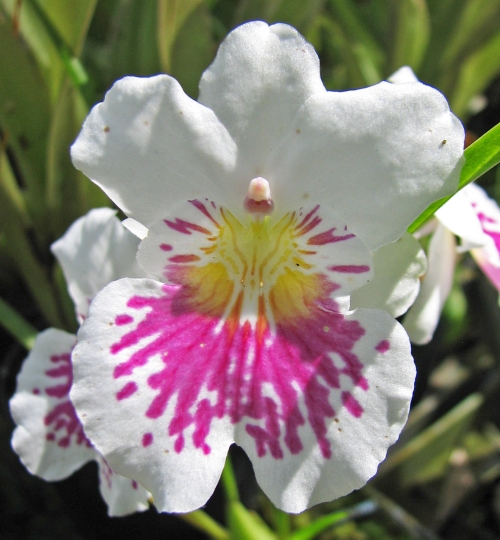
(334, 519)
(17, 326)
(480, 157)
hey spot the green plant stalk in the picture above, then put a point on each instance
(17, 326)
(229, 481)
(480, 157)
(203, 522)
(72, 64)
(334, 519)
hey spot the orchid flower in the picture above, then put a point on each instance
(49, 437)
(474, 218)
(262, 202)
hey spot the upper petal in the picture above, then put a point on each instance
(395, 285)
(149, 143)
(96, 250)
(379, 156)
(49, 438)
(259, 79)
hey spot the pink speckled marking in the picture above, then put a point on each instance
(121, 320)
(237, 362)
(129, 389)
(62, 419)
(383, 346)
(135, 485)
(147, 439)
(350, 268)
(36, 391)
(166, 247)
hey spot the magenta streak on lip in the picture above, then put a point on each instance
(129, 389)
(350, 268)
(123, 319)
(297, 355)
(62, 418)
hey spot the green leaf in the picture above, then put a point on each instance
(172, 15)
(480, 157)
(70, 19)
(17, 244)
(412, 34)
(17, 326)
(69, 193)
(246, 525)
(193, 49)
(336, 518)
(478, 70)
(365, 46)
(133, 44)
(426, 456)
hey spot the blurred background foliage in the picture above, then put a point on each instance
(58, 57)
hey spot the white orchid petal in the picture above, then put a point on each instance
(379, 155)
(95, 250)
(459, 217)
(135, 228)
(48, 438)
(423, 317)
(148, 143)
(395, 286)
(122, 495)
(403, 75)
(259, 79)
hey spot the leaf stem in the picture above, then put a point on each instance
(202, 521)
(229, 481)
(16, 325)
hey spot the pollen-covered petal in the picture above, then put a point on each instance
(149, 143)
(122, 495)
(164, 388)
(48, 438)
(241, 257)
(378, 156)
(423, 317)
(396, 282)
(96, 250)
(259, 79)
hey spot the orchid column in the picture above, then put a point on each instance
(262, 203)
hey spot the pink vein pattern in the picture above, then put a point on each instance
(63, 425)
(237, 362)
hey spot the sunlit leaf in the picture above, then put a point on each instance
(480, 157)
(24, 114)
(412, 31)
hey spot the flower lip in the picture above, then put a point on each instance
(258, 200)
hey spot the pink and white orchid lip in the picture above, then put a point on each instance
(267, 285)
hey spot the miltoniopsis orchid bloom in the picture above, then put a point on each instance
(49, 438)
(262, 202)
(475, 219)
